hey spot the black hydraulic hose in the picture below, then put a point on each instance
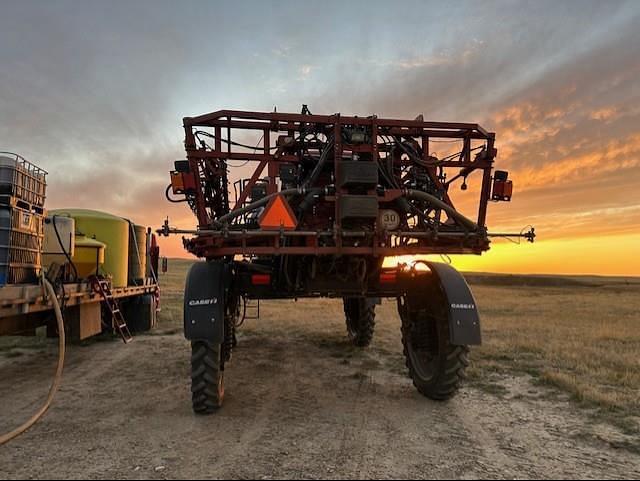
(230, 142)
(255, 205)
(387, 176)
(415, 158)
(312, 195)
(175, 201)
(321, 161)
(454, 214)
(309, 200)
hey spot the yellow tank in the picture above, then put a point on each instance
(109, 229)
(88, 256)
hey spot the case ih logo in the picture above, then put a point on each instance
(202, 302)
(463, 306)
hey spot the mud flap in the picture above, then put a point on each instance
(464, 321)
(204, 302)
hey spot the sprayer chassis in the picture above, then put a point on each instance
(209, 198)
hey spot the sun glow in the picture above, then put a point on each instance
(616, 255)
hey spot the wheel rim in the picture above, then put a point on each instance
(352, 316)
(352, 327)
(423, 345)
(424, 363)
(221, 387)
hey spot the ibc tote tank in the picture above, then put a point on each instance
(110, 230)
(59, 239)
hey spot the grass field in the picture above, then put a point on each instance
(579, 335)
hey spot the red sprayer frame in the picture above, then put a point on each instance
(398, 149)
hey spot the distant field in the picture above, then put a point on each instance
(579, 334)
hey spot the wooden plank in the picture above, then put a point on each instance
(84, 321)
(19, 302)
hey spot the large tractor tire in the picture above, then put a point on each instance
(435, 365)
(360, 315)
(207, 377)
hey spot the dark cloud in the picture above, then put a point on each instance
(81, 77)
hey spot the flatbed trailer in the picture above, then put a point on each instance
(24, 308)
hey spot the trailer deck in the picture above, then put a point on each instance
(24, 307)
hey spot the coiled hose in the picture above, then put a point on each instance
(433, 200)
(313, 193)
(58, 376)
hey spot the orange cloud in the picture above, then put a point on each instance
(614, 155)
(605, 114)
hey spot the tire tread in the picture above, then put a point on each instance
(207, 390)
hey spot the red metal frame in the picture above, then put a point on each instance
(208, 164)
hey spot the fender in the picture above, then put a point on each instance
(464, 320)
(204, 295)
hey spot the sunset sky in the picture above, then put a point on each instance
(95, 92)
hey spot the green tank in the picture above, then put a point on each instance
(111, 230)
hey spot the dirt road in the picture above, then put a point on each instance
(301, 402)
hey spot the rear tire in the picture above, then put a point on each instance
(360, 315)
(140, 313)
(207, 377)
(435, 365)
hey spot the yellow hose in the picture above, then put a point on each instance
(56, 380)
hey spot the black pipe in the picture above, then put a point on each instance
(309, 200)
(321, 161)
(433, 200)
(255, 205)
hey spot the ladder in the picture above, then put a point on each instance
(101, 286)
(252, 309)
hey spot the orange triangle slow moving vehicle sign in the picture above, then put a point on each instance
(278, 214)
